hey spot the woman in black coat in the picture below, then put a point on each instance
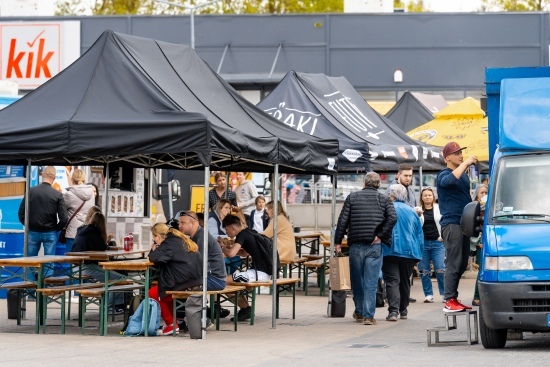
(180, 268)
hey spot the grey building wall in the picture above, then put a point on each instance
(435, 52)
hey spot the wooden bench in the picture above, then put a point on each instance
(215, 313)
(283, 285)
(23, 288)
(63, 279)
(318, 267)
(95, 296)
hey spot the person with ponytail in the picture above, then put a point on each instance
(180, 268)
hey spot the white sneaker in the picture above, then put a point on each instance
(429, 299)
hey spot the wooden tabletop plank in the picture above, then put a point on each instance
(36, 261)
(138, 264)
(307, 235)
(106, 255)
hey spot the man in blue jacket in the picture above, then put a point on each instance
(453, 191)
(368, 217)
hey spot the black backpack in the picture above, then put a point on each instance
(265, 244)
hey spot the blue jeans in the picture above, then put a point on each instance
(36, 239)
(365, 263)
(433, 251)
(69, 244)
(214, 284)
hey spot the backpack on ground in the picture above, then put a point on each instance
(136, 323)
(133, 305)
(265, 244)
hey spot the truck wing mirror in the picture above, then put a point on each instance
(471, 219)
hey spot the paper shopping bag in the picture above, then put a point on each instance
(339, 274)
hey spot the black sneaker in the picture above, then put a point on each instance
(243, 314)
(224, 312)
(183, 327)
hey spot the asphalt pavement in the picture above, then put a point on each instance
(312, 339)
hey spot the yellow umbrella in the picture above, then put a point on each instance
(462, 122)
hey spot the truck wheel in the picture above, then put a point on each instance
(491, 338)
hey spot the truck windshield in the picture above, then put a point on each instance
(521, 189)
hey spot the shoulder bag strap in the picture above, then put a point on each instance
(75, 213)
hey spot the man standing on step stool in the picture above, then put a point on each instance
(453, 191)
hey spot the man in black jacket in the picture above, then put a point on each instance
(368, 217)
(48, 215)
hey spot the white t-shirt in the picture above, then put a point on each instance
(258, 222)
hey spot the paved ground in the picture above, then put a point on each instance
(312, 339)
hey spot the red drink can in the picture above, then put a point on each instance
(126, 243)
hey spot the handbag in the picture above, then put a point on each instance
(63, 234)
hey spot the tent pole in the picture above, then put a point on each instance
(314, 196)
(332, 229)
(275, 270)
(27, 191)
(205, 254)
(421, 180)
(105, 201)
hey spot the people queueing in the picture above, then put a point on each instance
(179, 264)
(453, 192)
(400, 256)
(259, 219)
(216, 277)
(404, 177)
(286, 245)
(246, 193)
(368, 217)
(220, 192)
(79, 198)
(434, 249)
(475, 242)
(244, 244)
(47, 216)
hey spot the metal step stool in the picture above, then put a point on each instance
(451, 324)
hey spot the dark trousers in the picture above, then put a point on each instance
(397, 272)
(457, 248)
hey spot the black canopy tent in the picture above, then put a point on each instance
(414, 109)
(151, 104)
(335, 109)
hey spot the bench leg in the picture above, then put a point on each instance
(44, 313)
(63, 313)
(305, 279)
(253, 313)
(174, 312)
(278, 290)
(293, 301)
(82, 313)
(235, 311)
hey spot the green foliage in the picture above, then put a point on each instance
(416, 6)
(515, 5)
(131, 7)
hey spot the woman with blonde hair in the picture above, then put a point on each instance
(286, 245)
(79, 198)
(434, 249)
(180, 268)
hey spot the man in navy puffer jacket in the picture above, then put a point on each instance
(368, 217)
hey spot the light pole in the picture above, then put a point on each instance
(192, 9)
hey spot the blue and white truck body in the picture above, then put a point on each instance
(514, 278)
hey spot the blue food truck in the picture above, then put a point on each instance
(514, 278)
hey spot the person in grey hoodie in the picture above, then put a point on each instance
(76, 195)
(246, 193)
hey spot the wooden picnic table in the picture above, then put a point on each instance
(309, 240)
(38, 262)
(138, 265)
